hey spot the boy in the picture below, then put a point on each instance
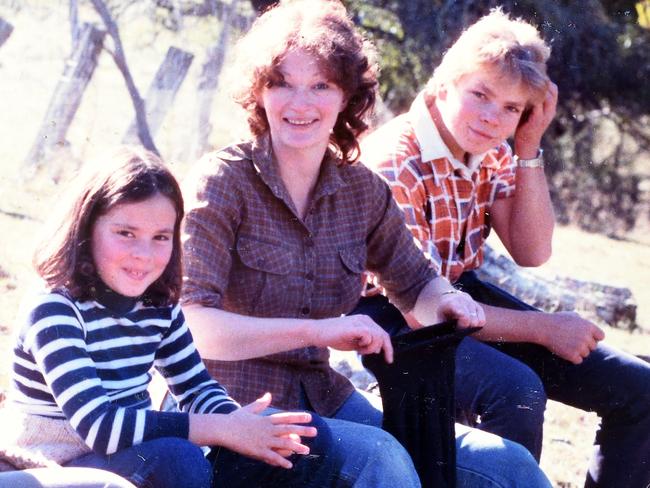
(455, 177)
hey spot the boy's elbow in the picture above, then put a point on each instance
(534, 258)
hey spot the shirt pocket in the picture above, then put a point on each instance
(261, 279)
(353, 258)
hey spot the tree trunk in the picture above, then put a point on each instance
(208, 83)
(67, 95)
(162, 91)
(602, 303)
(120, 61)
(5, 30)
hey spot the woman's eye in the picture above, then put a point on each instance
(162, 237)
(125, 233)
(321, 86)
(478, 94)
(514, 110)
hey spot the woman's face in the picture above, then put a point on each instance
(302, 107)
(132, 243)
(480, 111)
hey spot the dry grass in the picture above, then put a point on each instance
(29, 70)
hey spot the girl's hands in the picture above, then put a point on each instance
(270, 438)
(528, 135)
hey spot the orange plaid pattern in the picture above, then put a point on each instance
(446, 204)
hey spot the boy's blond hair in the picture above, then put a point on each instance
(496, 40)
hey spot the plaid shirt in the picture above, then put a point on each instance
(446, 203)
(247, 251)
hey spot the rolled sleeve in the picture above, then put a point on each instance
(393, 255)
(208, 232)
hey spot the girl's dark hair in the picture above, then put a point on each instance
(64, 259)
(324, 29)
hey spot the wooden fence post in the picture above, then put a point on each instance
(67, 95)
(162, 91)
(5, 30)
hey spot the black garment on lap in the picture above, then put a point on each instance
(417, 393)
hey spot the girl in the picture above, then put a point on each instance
(86, 344)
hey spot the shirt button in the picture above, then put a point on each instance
(305, 311)
(309, 276)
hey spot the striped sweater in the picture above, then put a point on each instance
(89, 362)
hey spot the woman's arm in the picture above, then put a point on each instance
(228, 336)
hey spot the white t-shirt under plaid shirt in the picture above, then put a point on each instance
(446, 203)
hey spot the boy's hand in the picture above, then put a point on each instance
(570, 336)
(528, 135)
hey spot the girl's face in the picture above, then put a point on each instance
(480, 111)
(302, 107)
(132, 243)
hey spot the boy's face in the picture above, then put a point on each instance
(480, 110)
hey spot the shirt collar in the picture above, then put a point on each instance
(431, 144)
(265, 163)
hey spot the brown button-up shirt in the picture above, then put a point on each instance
(247, 251)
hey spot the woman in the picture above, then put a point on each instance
(282, 227)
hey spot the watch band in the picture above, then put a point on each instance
(536, 162)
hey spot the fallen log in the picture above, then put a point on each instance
(614, 306)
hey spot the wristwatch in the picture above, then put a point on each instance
(536, 162)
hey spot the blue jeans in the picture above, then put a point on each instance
(167, 462)
(610, 382)
(507, 385)
(374, 459)
(482, 459)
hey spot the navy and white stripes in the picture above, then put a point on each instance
(84, 362)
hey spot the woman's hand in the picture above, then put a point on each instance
(458, 305)
(528, 134)
(353, 333)
(270, 438)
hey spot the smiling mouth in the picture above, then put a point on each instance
(300, 122)
(136, 275)
(481, 134)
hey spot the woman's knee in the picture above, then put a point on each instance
(497, 461)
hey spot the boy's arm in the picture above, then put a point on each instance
(525, 222)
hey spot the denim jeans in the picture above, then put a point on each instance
(166, 462)
(610, 382)
(507, 385)
(483, 460)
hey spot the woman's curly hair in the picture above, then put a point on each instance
(323, 29)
